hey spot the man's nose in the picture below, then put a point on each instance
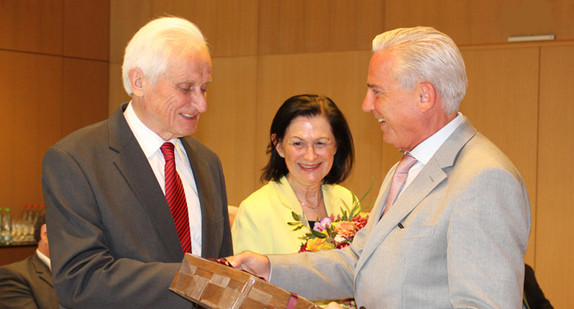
(199, 100)
(367, 105)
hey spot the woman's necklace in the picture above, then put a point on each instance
(314, 209)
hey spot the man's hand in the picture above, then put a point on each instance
(251, 262)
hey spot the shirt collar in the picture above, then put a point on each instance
(424, 151)
(44, 259)
(149, 141)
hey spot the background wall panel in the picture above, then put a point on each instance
(554, 250)
(471, 22)
(47, 87)
(228, 25)
(124, 22)
(300, 26)
(30, 92)
(33, 26)
(85, 88)
(229, 125)
(86, 29)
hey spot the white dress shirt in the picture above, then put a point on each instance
(150, 143)
(44, 259)
(424, 151)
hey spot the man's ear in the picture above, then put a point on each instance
(426, 96)
(136, 81)
(44, 233)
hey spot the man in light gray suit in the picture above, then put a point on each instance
(115, 243)
(456, 235)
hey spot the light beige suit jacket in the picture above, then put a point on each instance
(464, 224)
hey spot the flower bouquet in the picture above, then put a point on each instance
(334, 231)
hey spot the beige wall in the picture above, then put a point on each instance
(265, 51)
(555, 173)
(53, 79)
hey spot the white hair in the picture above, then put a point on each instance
(425, 54)
(152, 46)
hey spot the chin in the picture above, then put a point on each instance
(187, 132)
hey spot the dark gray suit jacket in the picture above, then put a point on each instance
(112, 237)
(27, 284)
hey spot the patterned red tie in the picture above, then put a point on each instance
(175, 197)
(399, 179)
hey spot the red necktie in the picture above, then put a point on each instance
(175, 197)
(399, 179)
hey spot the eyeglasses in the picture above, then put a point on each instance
(318, 146)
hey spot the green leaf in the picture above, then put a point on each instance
(345, 210)
(356, 210)
(318, 234)
(367, 193)
(298, 228)
(295, 216)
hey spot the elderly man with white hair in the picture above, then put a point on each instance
(127, 197)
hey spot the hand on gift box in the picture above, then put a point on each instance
(214, 283)
(251, 262)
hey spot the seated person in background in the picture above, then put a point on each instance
(28, 283)
(311, 151)
(533, 296)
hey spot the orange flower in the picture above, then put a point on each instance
(345, 228)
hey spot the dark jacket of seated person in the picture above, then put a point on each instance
(28, 283)
(533, 295)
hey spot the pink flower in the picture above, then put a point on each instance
(323, 224)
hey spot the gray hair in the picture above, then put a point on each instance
(425, 54)
(152, 46)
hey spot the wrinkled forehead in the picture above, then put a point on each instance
(195, 64)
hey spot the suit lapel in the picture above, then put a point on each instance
(42, 270)
(432, 174)
(205, 193)
(134, 166)
(428, 179)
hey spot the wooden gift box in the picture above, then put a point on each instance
(215, 285)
